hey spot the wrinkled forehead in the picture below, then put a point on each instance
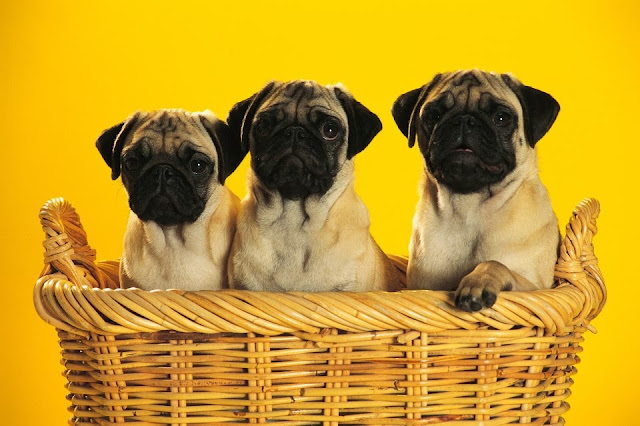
(166, 130)
(165, 122)
(304, 100)
(472, 89)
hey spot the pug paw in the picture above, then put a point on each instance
(479, 289)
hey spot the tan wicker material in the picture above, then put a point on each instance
(176, 357)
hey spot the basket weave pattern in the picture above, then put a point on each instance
(177, 357)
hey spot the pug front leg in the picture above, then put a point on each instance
(479, 289)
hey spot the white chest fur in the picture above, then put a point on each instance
(319, 244)
(454, 233)
(188, 256)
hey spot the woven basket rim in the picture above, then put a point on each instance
(75, 293)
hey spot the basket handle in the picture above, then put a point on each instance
(66, 248)
(577, 262)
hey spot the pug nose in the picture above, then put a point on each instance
(295, 133)
(467, 119)
(164, 171)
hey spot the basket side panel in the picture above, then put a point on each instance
(384, 378)
(80, 380)
(334, 371)
(107, 361)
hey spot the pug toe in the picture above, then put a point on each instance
(488, 297)
(477, 292)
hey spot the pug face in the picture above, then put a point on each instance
(474, 127)
(298, 140)
(171, 161)
(300, 134)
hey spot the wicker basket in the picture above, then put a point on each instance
(176, 357)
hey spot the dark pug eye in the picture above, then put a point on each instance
(132, 163)
(432, 115)
(263, 126)
(502, 119)
(330, 131)
(198, 166)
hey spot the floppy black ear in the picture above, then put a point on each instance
(539, 109)
(111, 142)
(241, 115)
(227, 145)
(106, 141)
(403, 110)
(406, 108)
(364, 125)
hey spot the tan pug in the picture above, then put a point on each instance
(484, 222)
(173, 165)
(302, 226)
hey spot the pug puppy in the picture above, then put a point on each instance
(173, 165)
(302, 227)
(484, 221)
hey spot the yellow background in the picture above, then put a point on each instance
(70, 70)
